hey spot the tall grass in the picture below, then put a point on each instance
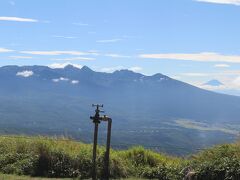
(61, 157)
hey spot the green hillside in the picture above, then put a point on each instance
(64, 158)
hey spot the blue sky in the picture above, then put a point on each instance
(191, 40)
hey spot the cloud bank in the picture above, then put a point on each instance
(4, 50)
(221, 65)
(17, 19)
(20, 57)
(233, 2)
(200, 57)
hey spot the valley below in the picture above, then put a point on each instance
(157, 112)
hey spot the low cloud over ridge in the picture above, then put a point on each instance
(25, 73)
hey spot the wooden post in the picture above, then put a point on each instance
(107, 153)
(96, 121)
(94, 170)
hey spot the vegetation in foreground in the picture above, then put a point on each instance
(16, 177)
(64, 158)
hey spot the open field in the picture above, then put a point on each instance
(207, 127)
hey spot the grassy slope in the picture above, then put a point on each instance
(59, 157)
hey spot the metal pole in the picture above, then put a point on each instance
(107, 153)
(94, 172)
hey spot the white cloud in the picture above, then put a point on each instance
(236, 82)
(233, 84)
(17, 19)
(55, 53)
(74, 81)
(109, 40)
(117, 68)
(55, 80)
(20, 57)
(63, 79)
(63, 65)
(221, 65)
(25, 73)
(60, 79)
(201, 57)
(212, 88)
(94, 52)
(233, 2)
(111, 69)
(4, 50)
(65, 37)
(135, 69)
(232, 73)
(117, 56)
(176, 77)
(73, 59)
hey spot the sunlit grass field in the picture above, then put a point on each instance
(33, 157)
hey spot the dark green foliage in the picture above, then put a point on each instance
(220, 163)
(54, 157)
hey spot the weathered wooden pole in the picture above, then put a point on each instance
(94, 169)
(96, 121)
(107, 153)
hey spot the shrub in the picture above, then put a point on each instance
(53, 157)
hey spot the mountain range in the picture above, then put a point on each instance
(155, 111)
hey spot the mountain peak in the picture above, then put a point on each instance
(213, 82)
(128, 74)
(71, 66)
(86, 69)
(123, 71)
(159, 76)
